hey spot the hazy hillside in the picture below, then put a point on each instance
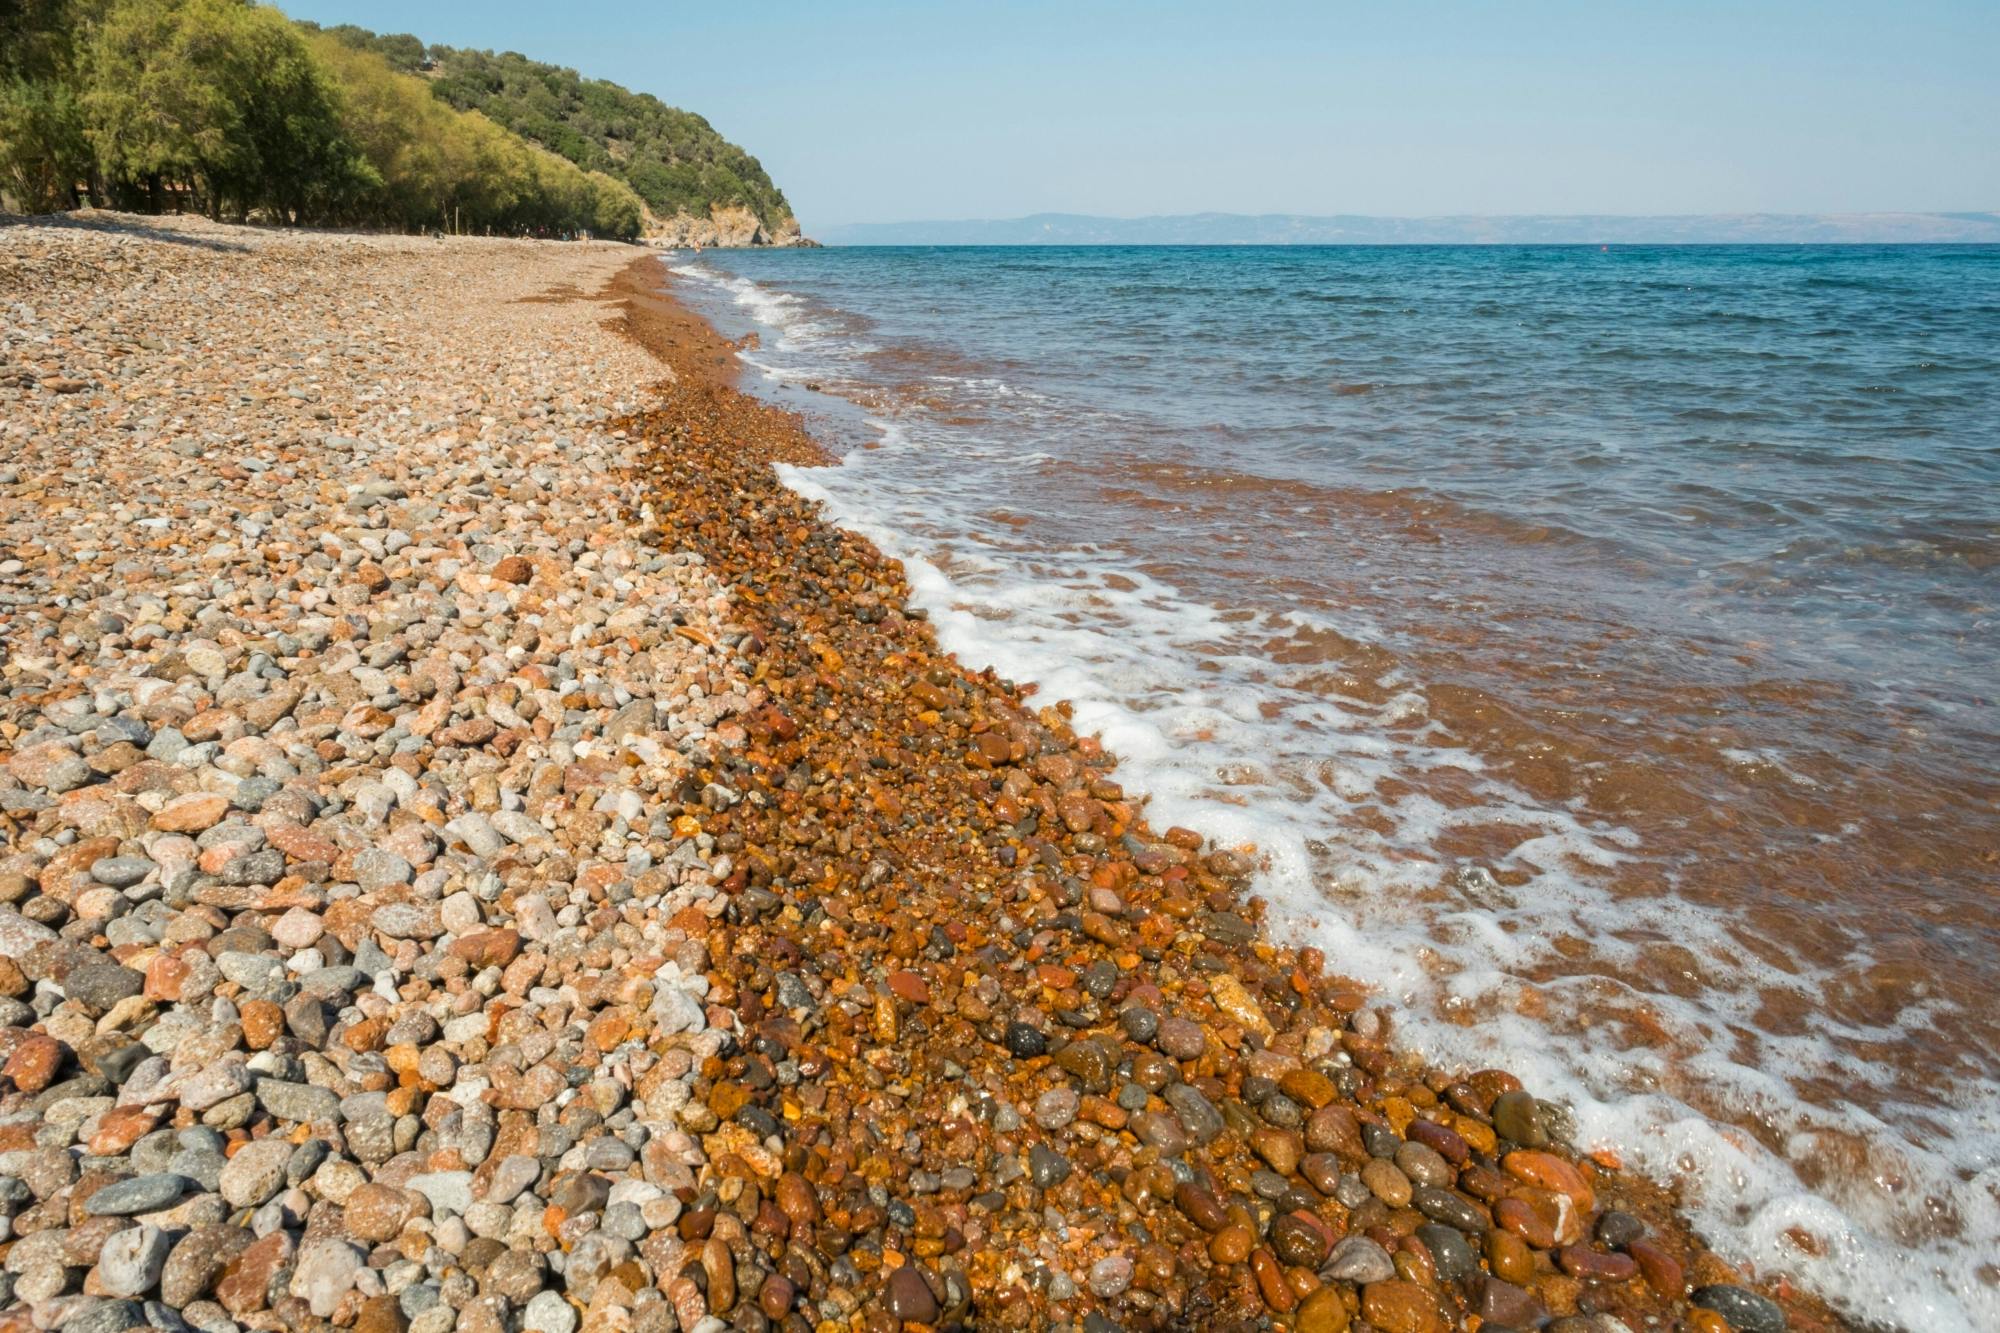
(1297, 229)
(697, 184)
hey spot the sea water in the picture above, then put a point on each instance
(1598, 646)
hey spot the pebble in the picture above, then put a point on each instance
(121, 871)
(1110, 1276)
(1359, 1260)
(138, 1194)
(1747, 1311)
(1453, 1258)
(1025, 1042)
(130, 1263)
(327, 1270)
(910, 1298)
(1047, 1168)
(1196, 1113)
(255, 1173)
(1056, 1107)
(549, 1313)
(1181, 1038)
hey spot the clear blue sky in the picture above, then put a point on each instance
(878, 112)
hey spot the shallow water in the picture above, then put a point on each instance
(1599, 646)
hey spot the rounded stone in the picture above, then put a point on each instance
(138, 1194)
(1025, 1042)
(1056, 1107)
(130, 1262)
(255, 1173)
(1747, 1311)
(910, 1297)
(1110, 1277)
(549, 1313)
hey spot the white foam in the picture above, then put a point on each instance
(1225, 739)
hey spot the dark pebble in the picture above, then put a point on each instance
(1746, 1311)
(140, 1194)
(106, 1317)
(1379, 1140)
(1451, 1209)
(1504, 1305)
(1139, 1022)
(1282, 1111)
(1449, 1252)
(1047, 1167)
(1025, 1042)
(1517, 1116)
(1617, 1230)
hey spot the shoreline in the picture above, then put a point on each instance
(480, 852)
(779, 436)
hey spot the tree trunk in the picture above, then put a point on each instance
(153, 193)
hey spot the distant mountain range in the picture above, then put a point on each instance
(1343, 229)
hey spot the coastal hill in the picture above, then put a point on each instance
(698, 187)
(1347, 229)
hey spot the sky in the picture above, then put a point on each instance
(881, 112)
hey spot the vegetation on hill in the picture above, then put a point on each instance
(229, 108)
(673, 159)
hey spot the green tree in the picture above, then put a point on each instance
(43, 151)
(616, 211)
(221, 95)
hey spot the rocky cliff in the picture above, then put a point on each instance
(729, 227)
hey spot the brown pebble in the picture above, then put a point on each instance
(381, 1314)
(720, 1266)
(1271, 1282)
(1334, 1129)
(1444, 1142)
(1231, 1245)
(1308, 1086)
(1401, 1307)
(263, 1023)
(1323, 1312)
(1661, 1271)
(910, 1298)
(775, 1297)
(1200, 1206)
(1509, 1256)
(1582, 1261)
(1280, 1148)
(1521, 1218)
(34, 1062)
(797, 1199)
(1386, 1182)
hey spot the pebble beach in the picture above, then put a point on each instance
(481, 853)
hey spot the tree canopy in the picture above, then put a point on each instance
(228, 107)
